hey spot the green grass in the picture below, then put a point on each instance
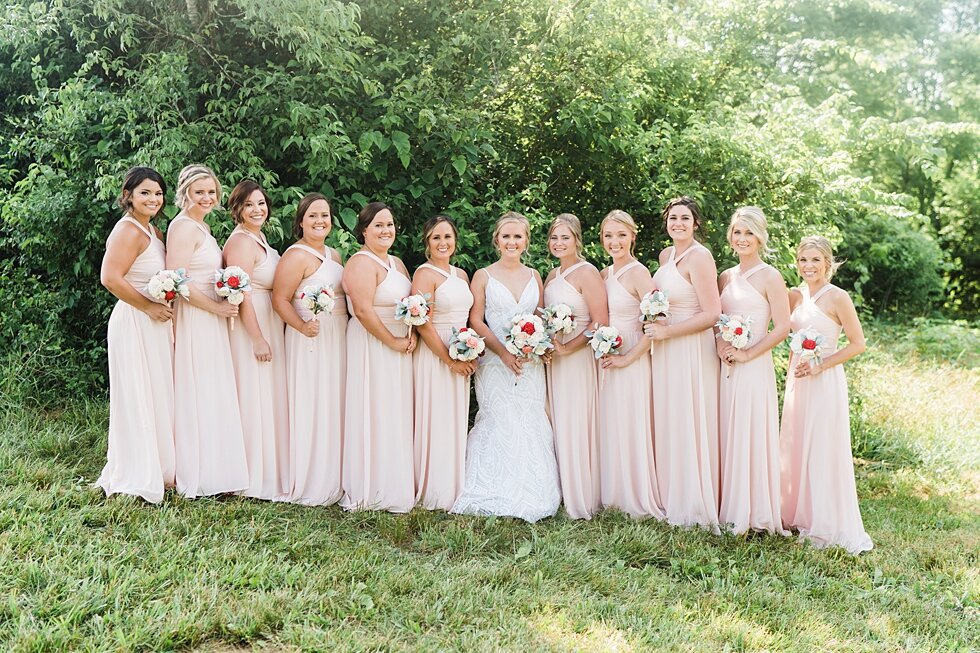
(79, 572)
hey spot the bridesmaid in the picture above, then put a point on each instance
(378, 454)
(210, 445)
(316, 355)
(572, 383)
(442, 386)
(141, 384)
(818, 490)
(748, 406)
(628, 477)
(685, 369)
(258, 349)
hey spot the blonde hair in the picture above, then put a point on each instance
(822, 245)
(189, 175)
(625, 219)
(511, 216)
(755, 220)
(573, 224)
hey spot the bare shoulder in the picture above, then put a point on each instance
(702, 256)
(772, 277)
(552, 274)
(461, 273)
(334, 255)
(665, 254)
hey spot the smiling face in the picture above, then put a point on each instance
(617, 239)
(202, 196)
(145, 200)
(561, 242)
(255, 211)
(812, 265)
(680, 224)
(742, 240)
(511, 240)
(379, 235)
(441, 243)
(316, 221)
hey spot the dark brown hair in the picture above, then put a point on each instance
(692, 206)
(240, 194)
(431, 224)
(366, 217)
(134, 177)
(303, 207)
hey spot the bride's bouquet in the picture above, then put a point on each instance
(734, 329)
(807, 344)
(232, 283)
(465, 345)
(605, 340)
(168, 285)
(318, 299)
(558, 318)
(527, 336)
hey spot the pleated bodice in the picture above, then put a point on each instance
(205, 261)
(624, 307)
(808, 314)
(560, 291)
(680, 292)
(328, 274)
(741, 298)
(150, 261)
(452, 300)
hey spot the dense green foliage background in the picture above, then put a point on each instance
(857, 120)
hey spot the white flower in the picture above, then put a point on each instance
(236, 298)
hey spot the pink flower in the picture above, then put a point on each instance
(414, 310)
(472, 342)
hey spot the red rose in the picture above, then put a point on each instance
(233, 281)
(809, 344)
(738, 331)
(528, 328)
(219, 284)
(619, 341)
(170, 295)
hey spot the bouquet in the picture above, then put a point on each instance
(232, 283)
(558, 318)
(167, 285)
(734, 329)
(318, 299)
(654, 306)
(605, 340)
(465, 345)
(527, 336)
(413, 310)
(806, 344)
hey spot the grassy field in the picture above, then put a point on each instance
(79, 572)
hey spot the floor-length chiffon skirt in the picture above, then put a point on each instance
(141, 406)
(316, 372)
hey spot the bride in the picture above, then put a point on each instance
(510, 454)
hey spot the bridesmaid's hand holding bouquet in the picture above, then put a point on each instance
(654, 306)
(465, 345)
(605, 341)
(168, 285)
(806, 345)
(232, 283)
(317, 299)
(558, 318)
(735, 330)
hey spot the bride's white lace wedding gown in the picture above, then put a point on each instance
(510, 454)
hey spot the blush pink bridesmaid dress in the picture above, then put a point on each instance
(316, 372)
(749, 421)
(819, 494)
(442, 402)
(573, 400)
(262, 386)
(627, 474)
(379, 470)
(685, 408)
(141, 389)
(208, 435)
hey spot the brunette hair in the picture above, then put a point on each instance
(431, 224)
(240, 194)
(573, 224)
(134, 177)
(187, 176)
(692, 206)
(366, 217)
(303, 207)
